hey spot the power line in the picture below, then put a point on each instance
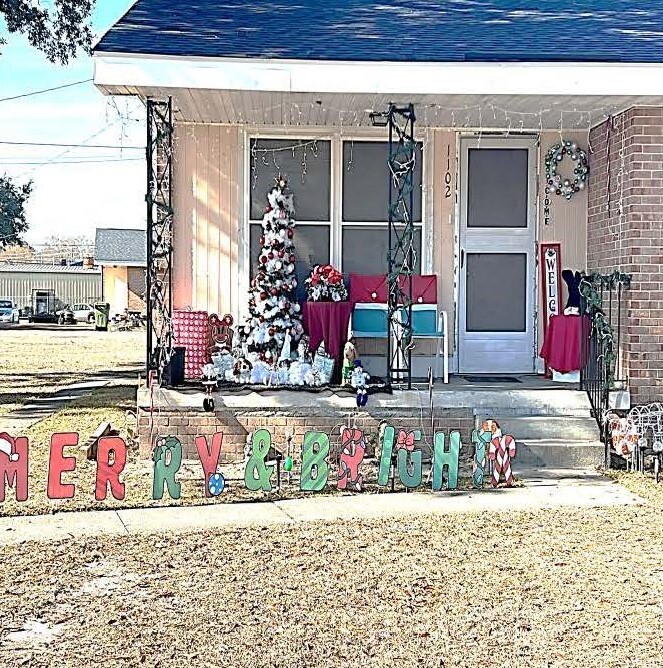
(34, 143)
(61, 154)
(70, 162)
(44, 90)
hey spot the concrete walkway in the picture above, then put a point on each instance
(542, 489)
(17, 421)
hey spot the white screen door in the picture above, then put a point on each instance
(497, 256)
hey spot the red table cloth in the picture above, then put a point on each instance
(375, 288)
(328, 322)
(562, 348)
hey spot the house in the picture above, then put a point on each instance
(67, 284)
(122, 256)
(251, 90)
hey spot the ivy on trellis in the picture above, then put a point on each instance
(592, 287)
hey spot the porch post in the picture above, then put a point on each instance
(401, 258)
(159, 236)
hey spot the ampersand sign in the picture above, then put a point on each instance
(257, 474)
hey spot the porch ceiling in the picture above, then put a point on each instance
(498, 112)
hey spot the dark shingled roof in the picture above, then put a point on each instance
(116, 246)
(395, 30)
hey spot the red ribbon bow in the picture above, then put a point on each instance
(405, 440)
(350, 438)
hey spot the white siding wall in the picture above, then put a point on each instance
(207, 174)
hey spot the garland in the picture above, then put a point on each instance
(555, 181)
(591, 287)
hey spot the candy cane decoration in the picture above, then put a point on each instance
(501, 451)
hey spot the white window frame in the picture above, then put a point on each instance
(336, 136)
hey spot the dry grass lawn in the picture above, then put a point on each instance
(551, 588)
(38, 361)
(563, 588)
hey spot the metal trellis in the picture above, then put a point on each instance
(159, 236)
(402, 257)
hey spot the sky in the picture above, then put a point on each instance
(71, 199)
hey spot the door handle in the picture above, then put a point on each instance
(462, 258)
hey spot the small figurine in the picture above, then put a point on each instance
(349, 358)
(313, 378)
(284, 372)
(259, 372)
(358, 381)
(303, 352)
(298, 371)
(223, 362)
(324, 363)
(242, 371)
(209, 380)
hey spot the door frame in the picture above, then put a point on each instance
(531, 143)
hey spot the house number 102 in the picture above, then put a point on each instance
(447, 174)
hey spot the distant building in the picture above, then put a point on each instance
(70, 284)
(122, 256)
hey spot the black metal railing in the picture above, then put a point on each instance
(602, 304)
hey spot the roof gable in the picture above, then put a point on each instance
(394, 30)
(119, 246)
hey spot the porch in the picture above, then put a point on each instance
(551, 422)
(238, 122)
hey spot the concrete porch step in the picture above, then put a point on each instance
(530, 411)
(552, 453)
(559, 427)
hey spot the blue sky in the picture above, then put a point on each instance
(71, 199)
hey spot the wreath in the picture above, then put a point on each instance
(556, 182)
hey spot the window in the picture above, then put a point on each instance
(307, 166)
(365, 207)
(352, 234)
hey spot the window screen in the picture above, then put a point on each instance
(306, 167)
(497, 187)
(311, 248)
(365, 249)
(496, 299)
(366, 182)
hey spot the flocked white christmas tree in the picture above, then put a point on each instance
(272, 311)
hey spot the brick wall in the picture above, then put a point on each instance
(236, 425)
(137, 287)
(625, 223)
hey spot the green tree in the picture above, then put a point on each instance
(60, 32)
(13, 223)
